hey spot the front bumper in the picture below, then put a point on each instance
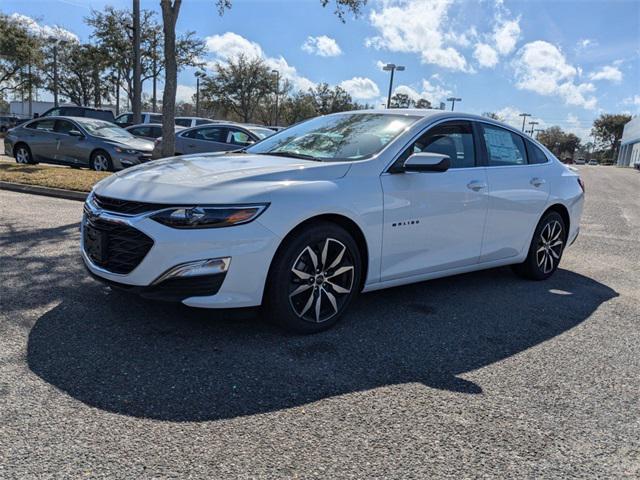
(250, 248)
(123, 160)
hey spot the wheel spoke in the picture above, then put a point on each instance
(307, 306)
(300, 289)
(337, 288)
(301, 275)
(340, 271)
(554, 254)
(312, 256)
(554, 236)
(325, 249)
(318, 305)
(338, 259)
(332, 300)
(556, 244)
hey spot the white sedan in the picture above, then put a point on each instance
(307, 218)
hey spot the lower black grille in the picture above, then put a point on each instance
(126, 206)
(115, 247)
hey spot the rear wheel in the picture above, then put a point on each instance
(100, 161)
(313, 278)
(545, 250)
(23, 154)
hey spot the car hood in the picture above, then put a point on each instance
(215, 178)
(134, 143)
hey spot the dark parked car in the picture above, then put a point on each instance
(150, 131)
(76, 141)
(216, 137)
(75, 111)
(126, 119)
(7, 122)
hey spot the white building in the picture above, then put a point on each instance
(22, 108)
(629, 153)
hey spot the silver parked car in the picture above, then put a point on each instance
(216, 137)
(193, 121)
(150, 131)
(77, 141)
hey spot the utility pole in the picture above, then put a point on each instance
(199, 75)
(154, 46)
(538, 130)
(277, 74)
(55, 71)
(453, 101)
(137, 70)
(391, 67)
(524, 118)
(30, 89)
(533, 124)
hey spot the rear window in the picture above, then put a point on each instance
(536, 155)
(100, 115)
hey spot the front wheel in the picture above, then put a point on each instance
(545, 250)
(101, 162)
(23, 155)
(313, 278)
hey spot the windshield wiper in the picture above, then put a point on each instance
(292, 155)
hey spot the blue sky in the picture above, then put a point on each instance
(565, 62)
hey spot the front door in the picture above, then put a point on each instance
(69, 148)
(434, 221)
(41, 139)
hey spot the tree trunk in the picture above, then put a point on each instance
(137, 73)
(170, 12)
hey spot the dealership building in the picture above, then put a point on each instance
(629, 153)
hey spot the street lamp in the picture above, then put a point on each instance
(56, 42)
(391, 67)
(453, 101)
(533, 124)
(277, 74)
(199, 75)
(524, 118)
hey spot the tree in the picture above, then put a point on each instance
(238, 86)
(493, 116)
(18, 49)
(558, 141)
(607, 130)
(330, 100)
(170, 11)
(297, 107)
(423, 103)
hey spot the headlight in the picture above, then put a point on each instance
(208, 217)
(128, 151)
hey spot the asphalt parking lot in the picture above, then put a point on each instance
(479, 375)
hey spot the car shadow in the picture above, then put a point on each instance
(134, 357)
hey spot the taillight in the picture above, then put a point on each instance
(581, 183)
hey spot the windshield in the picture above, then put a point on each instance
(344, 137)
(99, 128)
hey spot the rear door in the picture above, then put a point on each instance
(41, 139)
(205, 139)
(518, 192)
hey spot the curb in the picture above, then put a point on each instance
(46, 191)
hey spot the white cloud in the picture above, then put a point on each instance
(586, 43)
(44, 31)
(578, 128)
(511, 116)
(608, 72)
(323, 46)
(185, 93)
(634, 100)
(434, 93)
(230, 45)
(506, 34)
(417, 26)
(361, 88)
(485, 55)
(542, 68)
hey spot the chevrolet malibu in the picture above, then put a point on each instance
(76, 141)
(358, 201)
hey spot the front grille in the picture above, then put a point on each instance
(126, 207)
(125, 246)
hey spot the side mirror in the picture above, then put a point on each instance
(76, 133)
(427, 162)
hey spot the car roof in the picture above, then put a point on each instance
(178, 127)
(195, 118)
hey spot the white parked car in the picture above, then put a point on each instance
(188, 122)
(357, 201)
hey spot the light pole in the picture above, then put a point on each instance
(538, 130)
(277, 74)
(524, 118)
(453, 101)
(533, 124)
(137, 68)
(199, 75)
(391, 67)
(56, 42)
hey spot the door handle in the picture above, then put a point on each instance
(536, 182)
(476, 185)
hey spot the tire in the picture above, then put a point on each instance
(101, 161)
(545, 251)
(22, 154)
(307, 297)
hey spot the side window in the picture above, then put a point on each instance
(203, 122)
(212, 134)
(155, 118)
(125, 118)
(63, 126)
(155, 132)
(535, 154)
(46, 125)
(140, 131)
(183, 122)
(504, 148)
(238, 137)
(53, 113)
(454, 139)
